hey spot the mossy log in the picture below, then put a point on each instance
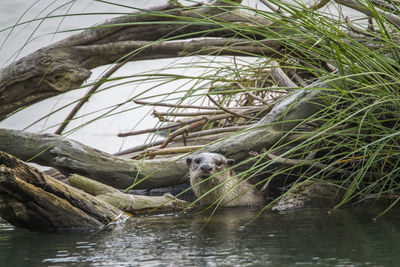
(127, 202)
(31, 199)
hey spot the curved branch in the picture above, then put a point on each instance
(66, 64)
(92, 56)
(363, 9)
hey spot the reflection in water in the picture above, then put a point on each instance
(344, 237)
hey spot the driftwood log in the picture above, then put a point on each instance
(69, 157)
(34, 200)
(127, 202)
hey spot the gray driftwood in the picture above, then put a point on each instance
(65, 65)
(31, 199)
(127, 202)
(69, 156)
(310, 194)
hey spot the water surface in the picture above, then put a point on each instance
(347, 237)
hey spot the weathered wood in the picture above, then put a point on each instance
(127, 202)
(211, 135)
(280, 76)
(32, 199)
(69, 156)
(66, 64)
(310, 194)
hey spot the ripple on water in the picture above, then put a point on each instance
(347, 237)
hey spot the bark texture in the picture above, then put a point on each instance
(69, 156)
(127, 202)
(34, 200)
(65, 65)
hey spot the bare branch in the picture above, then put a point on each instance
(251, 94)
(363, 9)
(180, 138)
(227, 110)
(188, 114)
(270, 6)
(319, 5)
(160, 104)
(280, 76)
(166, 127)
(186, 122)
(171, 150)
(182, 130)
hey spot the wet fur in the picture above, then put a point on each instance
(211, 180)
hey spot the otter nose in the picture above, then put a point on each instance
(206, 168)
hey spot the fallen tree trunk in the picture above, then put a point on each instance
(127, 202)
(69, 156)
(34, 200)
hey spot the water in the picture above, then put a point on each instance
(347, 237)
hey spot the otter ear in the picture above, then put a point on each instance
(230, 162)
(189, 161)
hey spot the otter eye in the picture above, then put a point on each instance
(197, 161)
(219, 163)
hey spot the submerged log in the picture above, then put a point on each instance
(31, 199)
(310, 194)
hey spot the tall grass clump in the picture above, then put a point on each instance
(354, 136)
(357, 128)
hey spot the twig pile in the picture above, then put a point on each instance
(203, 124)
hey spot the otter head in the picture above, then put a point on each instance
(204, 165)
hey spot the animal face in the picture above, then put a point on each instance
(207, 164)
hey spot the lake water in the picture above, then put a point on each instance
(347, 237)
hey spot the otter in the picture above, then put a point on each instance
(211, 180)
